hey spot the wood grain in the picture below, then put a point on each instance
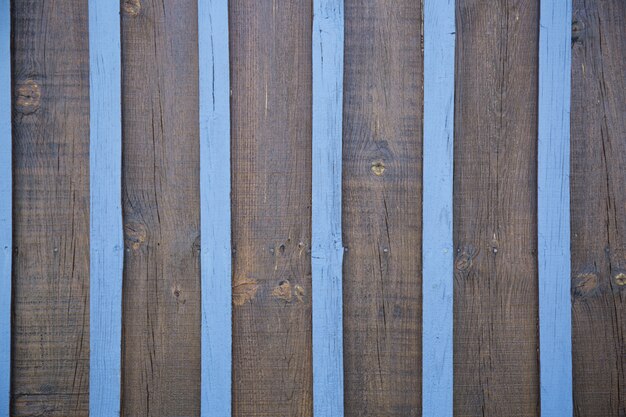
(50, 67)
(160, 177)
(495, 212)
(270, 47)
(598, 201)
(382, 155)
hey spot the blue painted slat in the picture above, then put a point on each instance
(5, 206)
(555, 331)
(106, 236)
(437, 244)
(327, 247)
(215, 218)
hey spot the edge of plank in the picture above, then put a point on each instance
(327, 246)
(553, 222)
(437, 238)
(106, 234)
(215, 215)
(5, 206)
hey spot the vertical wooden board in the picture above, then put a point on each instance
(553, 209)
(327, 247)
(598, 201)
(438, 253)
(105, 179)
(215, 219)
(382, 207)
(6, 183)
(270, 46)
(160, 174)
(50, 66)
(495, 212)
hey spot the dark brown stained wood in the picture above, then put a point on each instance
(598, 201)
(496, 370)
(50, 63)
(382, 208)
(270, 49)
(161, 307)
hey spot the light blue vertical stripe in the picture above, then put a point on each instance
(327, 247)
(437, 252)
(555, 329)
(215, 218)
(5, 206)
(106, 236)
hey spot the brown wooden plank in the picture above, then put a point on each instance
(50, 64)
(495, 209)
(270, 46)
(598, 201)
(161, 306)
(382, 207)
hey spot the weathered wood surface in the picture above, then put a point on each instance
(105, 180)
(382, 188)
(495, 214)
(161, 301)
(270, 49)
(326, 245)
(553, 209)
(215, 219)
(437, 237)
(6, 202)
(598, 186)
(50, 70)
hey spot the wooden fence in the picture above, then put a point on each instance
(325, 208)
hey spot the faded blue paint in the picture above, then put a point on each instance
(215, 218)
(555, 320)
(106, 236)
(437, 245)
(326, 246)
(5, 206)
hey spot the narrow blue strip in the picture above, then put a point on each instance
(106, 236)
(327, 247)
(215, 218)
(5, 206)
(437, 244)
(555, 321)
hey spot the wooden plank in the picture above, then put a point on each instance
(5, 206)
(553, 210)
(437, 247)
(270, 46)
(496, 367)
(382, 208)
(598, 201)
(327, 247)
(106, 239)
(160, 174)
(215, 220)
(50, 68)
